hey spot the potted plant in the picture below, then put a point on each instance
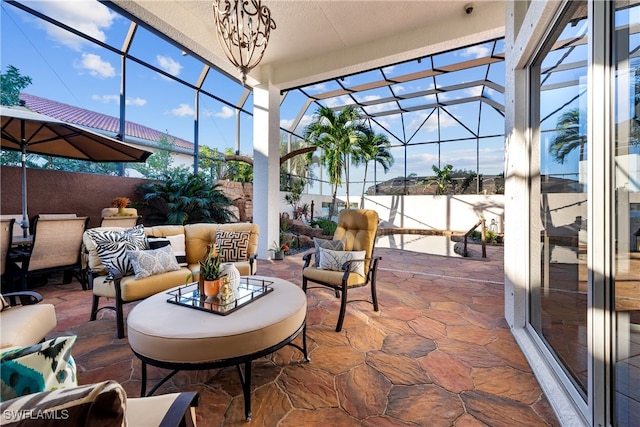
(121, 203)
(209, 273)
(279, 249)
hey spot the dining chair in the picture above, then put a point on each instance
(6, 238)
(56, 246)
(120, 221)
(347, 261)
(17, 224)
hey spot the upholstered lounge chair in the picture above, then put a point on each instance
(23, 321)
(357, 231)
(100, 404)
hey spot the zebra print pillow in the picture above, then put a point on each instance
(232, 245)
(112, 247)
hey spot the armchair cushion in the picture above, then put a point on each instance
(232, 245)
(153, 261)
(334, 260)
(334, 245)
(40, 367)
(101, 404)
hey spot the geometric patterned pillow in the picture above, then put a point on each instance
(102, 404)
(153, 261)
(232, 245)
(40, 367)
(334, 260)
(334, 245)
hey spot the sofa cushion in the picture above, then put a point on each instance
(334, 260)
(135, 289)
(40, 367)
(25, 325)
(232, 245)
(153, 261)
(101, 404)
(334, 245)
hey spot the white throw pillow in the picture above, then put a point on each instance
(333, 260)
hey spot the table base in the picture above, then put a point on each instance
(245, 377)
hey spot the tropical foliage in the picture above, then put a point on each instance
(184, 198)
(571, 134)
(159, 163)
(11, 84)
(371, 147)
(344, 137)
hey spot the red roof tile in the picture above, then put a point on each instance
(80, 116)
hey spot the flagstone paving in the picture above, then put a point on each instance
(438, 353)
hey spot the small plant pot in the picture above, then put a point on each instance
(212, 287)
(279, 255)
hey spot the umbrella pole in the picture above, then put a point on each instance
(25, 216)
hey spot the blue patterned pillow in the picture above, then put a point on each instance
(40, 367)
(153, 261)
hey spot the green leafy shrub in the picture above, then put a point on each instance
(328, 226)
(183, 198)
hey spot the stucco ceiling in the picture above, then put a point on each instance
(318, 40)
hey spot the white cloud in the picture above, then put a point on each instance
(339, 101)
(304, 122)
(479, 51)
(96, 66)
(474, 91)
(105, 99)
(138, 102)
(169, 65)
(89, 17)
(225, 113)
(182, 110)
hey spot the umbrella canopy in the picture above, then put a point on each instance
(30, 132)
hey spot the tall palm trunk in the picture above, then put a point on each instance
(364, 184)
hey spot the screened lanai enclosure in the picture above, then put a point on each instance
(446, 108)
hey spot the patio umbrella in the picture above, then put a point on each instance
(27, 131)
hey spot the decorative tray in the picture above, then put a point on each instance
(249, 290)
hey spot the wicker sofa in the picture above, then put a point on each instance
(197, 237)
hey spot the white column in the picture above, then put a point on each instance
(266, 166)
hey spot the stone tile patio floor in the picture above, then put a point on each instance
(438, 353)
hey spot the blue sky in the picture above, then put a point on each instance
(68, 69)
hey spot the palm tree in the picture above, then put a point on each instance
(335, 134)
(372, 147)
(571, 135)
(442, 178)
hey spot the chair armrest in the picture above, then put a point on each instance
(252, 260)
(307, 260)
(165, 410)
(25, 298)
(179, 414)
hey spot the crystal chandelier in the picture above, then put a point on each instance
(243, 28)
